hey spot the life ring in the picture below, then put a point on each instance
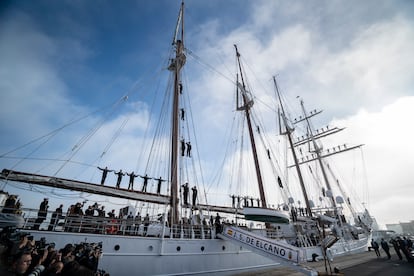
(112, 228)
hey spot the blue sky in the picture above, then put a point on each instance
(353, 59)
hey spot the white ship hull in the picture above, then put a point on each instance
(129, 255)
(155, 256)
(340, 248)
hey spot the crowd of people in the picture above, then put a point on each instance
(22, 255)
(241, 201)
(93, 218)
(403, 246)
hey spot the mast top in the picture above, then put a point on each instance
(180, 23)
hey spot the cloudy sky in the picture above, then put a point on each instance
(354, 59)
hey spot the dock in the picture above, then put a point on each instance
(356, 264)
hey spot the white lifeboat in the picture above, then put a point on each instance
(265, 215)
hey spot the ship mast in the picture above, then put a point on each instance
(288, 133)
(175, 66)
(247, 104)
(318, 151)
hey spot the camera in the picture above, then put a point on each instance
(41, 244)
(30, 238)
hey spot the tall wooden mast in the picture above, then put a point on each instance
(247, 104)
(175, 66)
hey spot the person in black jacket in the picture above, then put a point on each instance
(375, 246)
(386, 248)
(41, 215)
(57, 214)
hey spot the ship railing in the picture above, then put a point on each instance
(304, 240)
(108, 226)
(192, 231)
(78, 223)
(274, 234)
(270, 233)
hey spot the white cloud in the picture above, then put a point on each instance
(376, 68)
(388, 149)
(30, 86)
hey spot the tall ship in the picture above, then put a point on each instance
(174, 221)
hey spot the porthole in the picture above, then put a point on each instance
(178, 248)
(117, 247)
(224, 248)
(150, 248)
(202, 248)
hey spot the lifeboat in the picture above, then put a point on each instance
(265, 215)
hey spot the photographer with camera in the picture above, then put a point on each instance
(24, 256)
(25, 243)
(36, 267)
(89, 255)
(27, 262)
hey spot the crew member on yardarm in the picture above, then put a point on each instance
(104, 173)
(145, 183)
(118, 181)
(159, 182)
(132, 176)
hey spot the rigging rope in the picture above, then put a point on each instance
(211, 68)
(86, 138)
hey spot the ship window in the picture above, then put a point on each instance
(117, 247)
(224, 248)
(150, 248)
(202, 248)
(178, 248)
